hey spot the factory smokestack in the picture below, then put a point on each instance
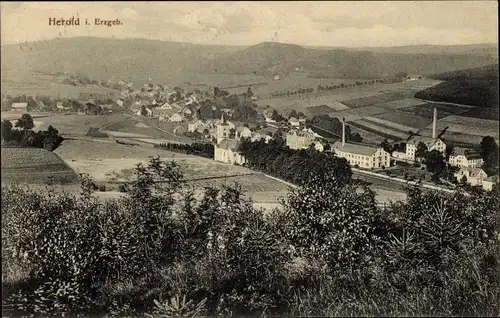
(343, 131)
(434, 123)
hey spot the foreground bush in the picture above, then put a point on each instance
(168, 251)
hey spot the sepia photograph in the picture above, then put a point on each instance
(250, 159)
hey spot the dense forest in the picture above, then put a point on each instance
(477, 87)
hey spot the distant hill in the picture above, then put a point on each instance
(472, 49)
(478, 87)
(138, 59)
(104, 58)
(282, 59)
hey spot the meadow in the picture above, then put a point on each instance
(34, 166)
(30, 83)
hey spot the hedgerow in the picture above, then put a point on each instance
(167, 250)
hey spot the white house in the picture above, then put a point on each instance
(227, 151)
(294, 122)
(166, 105)
(319, 146)
(119, 102)
(148, 111)
(430, 143)
(489, 182)
(464, 158)
(176, 118)
(197, 125)
(299, 139)
(243, 132)
(474, 176)
(19, 107)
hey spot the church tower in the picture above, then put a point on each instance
(223, 129)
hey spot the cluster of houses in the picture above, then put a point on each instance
(227, 138)
(359, 155)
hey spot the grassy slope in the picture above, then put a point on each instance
(134, 59)
(276, 58)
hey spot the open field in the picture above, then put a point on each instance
(376, 99)
(473, 127)
(383, 128)
(32, 83)
(402, 103)
(69, 125)
(385, 133)
(34, 166)
(406, 119)
(386, 123)
(427, 110)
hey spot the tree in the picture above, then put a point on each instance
(144, 112)
(293, 113)
(249, 92)
(25, 123)
(216, 92)
(356, 137)
(6, 130)
(435, 163)
(421, 150)
(386, 145)
(489, 151)
(232, 133)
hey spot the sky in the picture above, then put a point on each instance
(322, 23)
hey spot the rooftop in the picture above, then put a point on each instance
(232, 144)
(355, 149)
(428, 141)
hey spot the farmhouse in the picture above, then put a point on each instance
(149, 113)
(474, 176)
(197, 125)
(227, 151)
(19, 107)
(464, 158)
(299, 139)
(363, 156)
(176, 118)
(243, 132)
(119, 102)
(162, 112)
(320, 146)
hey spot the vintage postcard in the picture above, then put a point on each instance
(256, 158)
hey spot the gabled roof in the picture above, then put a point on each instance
(428, 141)
(242, 128)
(355, 149)
(467, 153)
(473, 172)
(229, 144)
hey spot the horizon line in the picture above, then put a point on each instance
(248, 45)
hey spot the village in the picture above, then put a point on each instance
(206, 116)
